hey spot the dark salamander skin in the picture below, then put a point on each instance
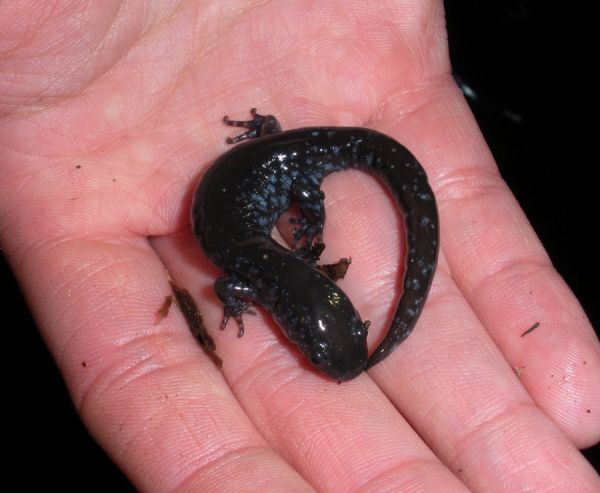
(245, 191)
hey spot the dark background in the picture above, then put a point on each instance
(524, 62)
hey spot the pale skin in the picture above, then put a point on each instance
(110, 114)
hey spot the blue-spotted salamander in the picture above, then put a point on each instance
(244, 192)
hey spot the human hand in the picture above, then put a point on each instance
(139, 111)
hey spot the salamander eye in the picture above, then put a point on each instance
(359, 330)
(318, 354)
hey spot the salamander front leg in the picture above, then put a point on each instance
(237, 298)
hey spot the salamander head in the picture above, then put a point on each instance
(330, 334)
(342, 359)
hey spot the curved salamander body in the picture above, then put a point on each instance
(245, 191)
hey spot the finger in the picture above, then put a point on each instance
(146, 392)
(504, 273)
(453, 385)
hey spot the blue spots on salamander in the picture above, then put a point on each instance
(241, 196)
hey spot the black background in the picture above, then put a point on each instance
(526, 63)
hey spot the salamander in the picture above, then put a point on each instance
(244, 192)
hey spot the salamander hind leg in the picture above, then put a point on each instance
(237, 298)
(311, 200)
(259, 126)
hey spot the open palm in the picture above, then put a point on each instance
(110, 112)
